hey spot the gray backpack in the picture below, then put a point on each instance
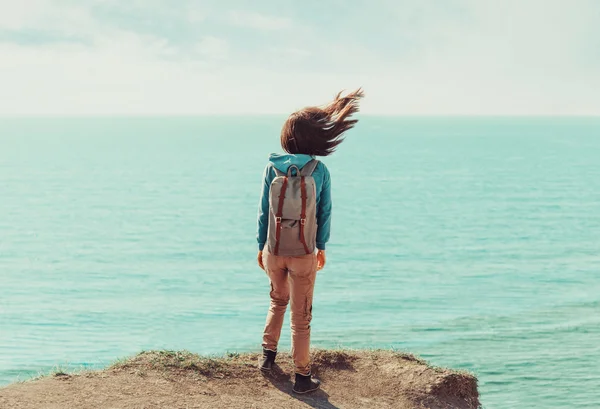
(293, 212)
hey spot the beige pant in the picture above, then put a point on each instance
(292, 278)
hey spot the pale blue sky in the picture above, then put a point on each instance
(420, 57)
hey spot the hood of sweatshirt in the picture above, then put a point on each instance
(283, 161)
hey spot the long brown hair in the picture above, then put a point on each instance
(318, 131)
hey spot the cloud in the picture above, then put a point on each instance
(17, 14)
(213, 47)
(34, 37)
(250, 19)
(464, 57)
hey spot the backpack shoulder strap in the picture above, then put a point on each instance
(279, 215)
(309, 168)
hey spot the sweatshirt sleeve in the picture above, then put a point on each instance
(263, 209)
(324, 212)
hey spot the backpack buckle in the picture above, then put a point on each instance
(303, 221)
(278, 220)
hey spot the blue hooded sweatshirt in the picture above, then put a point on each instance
(323, 184)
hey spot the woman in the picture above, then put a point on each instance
(294, 217)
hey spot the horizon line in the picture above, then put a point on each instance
(229, 115)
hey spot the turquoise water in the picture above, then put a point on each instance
(474, 243)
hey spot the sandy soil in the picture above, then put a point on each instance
(168, 379)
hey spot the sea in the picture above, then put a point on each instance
(473, 242)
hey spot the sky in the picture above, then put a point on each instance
(184, 57)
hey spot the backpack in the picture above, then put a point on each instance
(292, 227)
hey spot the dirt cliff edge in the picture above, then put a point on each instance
(171, 379)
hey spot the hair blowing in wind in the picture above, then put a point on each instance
(319, 130)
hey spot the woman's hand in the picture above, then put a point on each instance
(321, 259)
(260, 260)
